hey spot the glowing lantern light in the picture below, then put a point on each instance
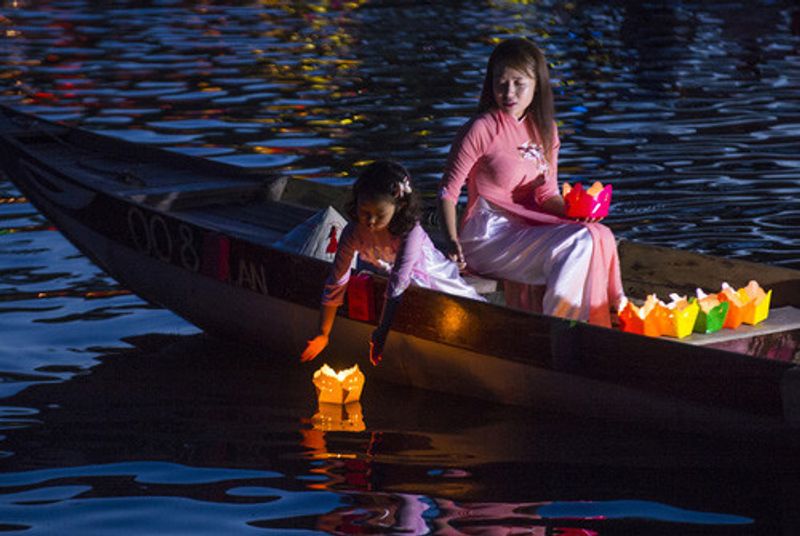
(749, 304)
(711, 316)
(340, 387)
(339, 418)
(591, 203)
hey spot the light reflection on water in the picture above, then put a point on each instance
(689, 109)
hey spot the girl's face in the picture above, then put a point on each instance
(375, 213)
(513, 90)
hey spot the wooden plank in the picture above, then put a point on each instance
(647, 269)
(781, 319)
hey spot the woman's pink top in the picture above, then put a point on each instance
(500, 159)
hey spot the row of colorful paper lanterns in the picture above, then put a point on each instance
(707, 313)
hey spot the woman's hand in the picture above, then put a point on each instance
(376, 345)
(456, 254)
(314, 347)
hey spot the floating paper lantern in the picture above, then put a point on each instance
(591, 203)
(340, 387)
(712, 313)
(749, 304)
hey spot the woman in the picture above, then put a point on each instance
(514, 226)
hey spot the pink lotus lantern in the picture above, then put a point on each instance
(591, 203)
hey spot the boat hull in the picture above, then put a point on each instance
(241, 289)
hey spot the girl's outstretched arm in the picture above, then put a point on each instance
(327, 314)
(408, 255)
(333, 293)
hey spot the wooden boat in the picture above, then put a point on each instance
(197, 237)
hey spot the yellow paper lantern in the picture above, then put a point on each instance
(340, 387)
(682, 316)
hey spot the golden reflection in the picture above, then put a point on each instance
(339, 418)
(453, 320)
(63, 293)
(326, 45)
(13, 200)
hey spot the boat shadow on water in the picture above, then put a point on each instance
(178, 404)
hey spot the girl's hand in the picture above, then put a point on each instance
(456, 254)
(314, 347)
(376, 346)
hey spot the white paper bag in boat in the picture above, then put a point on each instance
(316, 237)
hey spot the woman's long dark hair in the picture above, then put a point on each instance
(524, 56)
(384, 179)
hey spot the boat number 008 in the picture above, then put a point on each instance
(151, 235)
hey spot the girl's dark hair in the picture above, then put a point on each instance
(384, 179)
(523, 55)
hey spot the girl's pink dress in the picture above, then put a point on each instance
(406, 260)
(506, 234)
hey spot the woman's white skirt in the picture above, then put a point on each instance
(501, 245)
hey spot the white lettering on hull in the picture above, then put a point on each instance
(252, 276)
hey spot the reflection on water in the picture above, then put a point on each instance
(231, 440)
(689, 109)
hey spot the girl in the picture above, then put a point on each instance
(514, 226)
(385, 231)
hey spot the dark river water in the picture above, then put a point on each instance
(117, 417)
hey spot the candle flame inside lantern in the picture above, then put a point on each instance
(340, 387)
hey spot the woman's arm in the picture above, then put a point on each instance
(555, 205)
(470, 144)
(449, 225)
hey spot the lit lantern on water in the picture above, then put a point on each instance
(749, 304)
(712, 313)
(591, 203)
(340, 387)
